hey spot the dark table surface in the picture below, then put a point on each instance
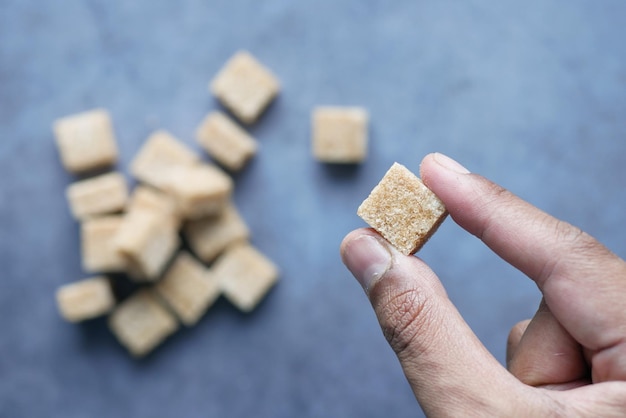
(531, 94)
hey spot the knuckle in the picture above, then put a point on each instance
(574, 240)
(403, 317)
(574, 246)
(568, 234)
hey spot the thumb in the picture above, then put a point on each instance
(450, 371)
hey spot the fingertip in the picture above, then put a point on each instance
(426, 167)
(353, 235)
(438, 171)
(367, 255)
(448, 163)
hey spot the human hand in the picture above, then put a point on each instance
(569, 360)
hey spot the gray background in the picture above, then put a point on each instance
(531, 94)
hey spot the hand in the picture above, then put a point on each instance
(569, 360)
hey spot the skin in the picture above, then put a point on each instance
(569, 360)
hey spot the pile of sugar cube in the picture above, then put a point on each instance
(138, 233)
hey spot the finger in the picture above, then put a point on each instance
(582, 281)
(547, 354)
(448, 368)
(515, 335)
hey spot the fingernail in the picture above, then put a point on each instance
(368, 259)
(450, 164)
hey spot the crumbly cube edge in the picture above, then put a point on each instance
(403, 210)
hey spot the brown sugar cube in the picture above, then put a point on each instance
(403, 210)
(141, 323)
(245, 86)
(188, 288)
(200, 190)
(86, 141)
(245, 275)
(99, 195)
(225, 141)
(340, 134)
(147, 240)
(85, 299)
(208, 237)
(99, 254)
(159, 154)
(148, 198)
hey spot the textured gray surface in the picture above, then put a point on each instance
(531, 94)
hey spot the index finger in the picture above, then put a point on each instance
(582, 281)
